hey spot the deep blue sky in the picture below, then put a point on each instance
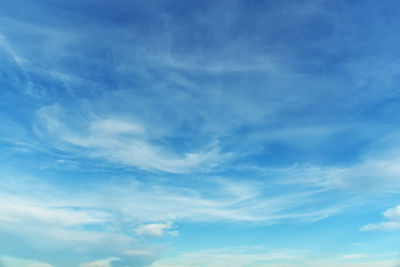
(199, 133)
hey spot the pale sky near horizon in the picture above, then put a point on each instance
(224, 133)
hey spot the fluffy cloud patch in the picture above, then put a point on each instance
(392, 221)
(155, 229)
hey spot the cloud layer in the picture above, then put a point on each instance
(184, 133)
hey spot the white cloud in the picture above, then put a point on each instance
(121, 141)
(52, 217)
(327, 263)
(230, 257)
(376, 174)
(154, 229)
(222, 201)
(392, 222)
(45, 224)
(6, 261)
(141, 253)
(5, 45)
(16, 210)
(393, 213)
(382, 226)
(259, 257)
(151, 206)
(109, 127)
(100, 263)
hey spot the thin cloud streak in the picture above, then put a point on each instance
(149, 125)
(123, 142)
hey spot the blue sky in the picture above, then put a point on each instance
(199, 133)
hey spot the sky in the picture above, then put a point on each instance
(203, 133)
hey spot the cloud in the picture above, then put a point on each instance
(155, 229)
(16, 210)
(373, 173)
(141, 253)
(121, 141)
(382, 226)
(392, 213)
(111, 127)
(6, 261)
(70, 227)
(101, 263)
(4, 44)
(108, 219)
(392, 222)
(186, 94)
(262, 257)
(232, 257)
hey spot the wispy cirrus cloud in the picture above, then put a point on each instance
(197, 113)
(264, 257)
(6, 261)
(122, 141)
(231, 257)
(115, 219)
(375, 174)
